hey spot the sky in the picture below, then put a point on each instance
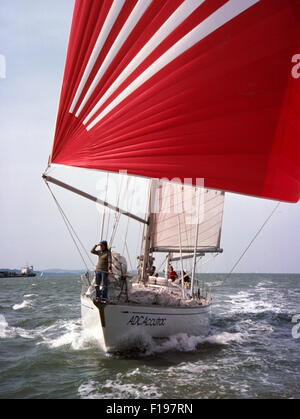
(33, 42)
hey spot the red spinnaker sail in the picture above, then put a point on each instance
(185, 89)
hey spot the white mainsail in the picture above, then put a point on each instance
(179, 209)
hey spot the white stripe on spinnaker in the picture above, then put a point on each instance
(185, 9)
(105, 31)
(130, 24)
(223, 15)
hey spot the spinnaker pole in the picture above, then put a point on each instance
(92, 198)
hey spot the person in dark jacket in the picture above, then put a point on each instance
(103, 268)
(186, 278)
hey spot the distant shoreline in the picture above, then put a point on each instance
(58, 271)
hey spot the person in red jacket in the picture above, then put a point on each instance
(172, 274)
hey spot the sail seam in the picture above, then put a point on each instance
(216, 20)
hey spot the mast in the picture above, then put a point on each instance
(148, 229)
(195, 248)
(167, 265)
(181, 261)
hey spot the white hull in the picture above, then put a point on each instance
(116, 326)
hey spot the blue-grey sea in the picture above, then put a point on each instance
(253, 350)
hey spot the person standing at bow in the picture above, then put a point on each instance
(103, 268)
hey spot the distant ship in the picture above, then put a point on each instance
(26, 271)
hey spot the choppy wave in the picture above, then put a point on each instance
(8, 332)
(146, 346)
(117, 389)
(67, 333)
(24, 304)
(5, 331)
(61, 333)
(184, 343)
(250, 351)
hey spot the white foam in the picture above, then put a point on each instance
(226, 338)
(243, 302)
(136, 371)
(67, 333)
(26, 334)
(181, 342)
(8, 332)
(185, 343)
(115, 389)
(5, 331)
(264, 284)
(24, 304)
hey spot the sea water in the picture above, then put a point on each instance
(252, 351)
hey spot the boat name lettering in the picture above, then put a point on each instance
(146, 321)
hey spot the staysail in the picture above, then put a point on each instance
(185, 89)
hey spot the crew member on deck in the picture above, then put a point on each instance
(103, 268)
(172, 274)
(152, 271)
(186, 278)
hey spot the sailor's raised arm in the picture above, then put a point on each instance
(94, 251)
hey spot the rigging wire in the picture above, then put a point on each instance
(251, 242)
(128, 254)
(209, 260)
(117, 217)
(138, 245)
(128, 219)
(71, 230)
(163, 263)
(114, 230)
(105, 209)
(109, 214)
(181, 260)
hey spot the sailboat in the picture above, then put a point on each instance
(200, 98)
